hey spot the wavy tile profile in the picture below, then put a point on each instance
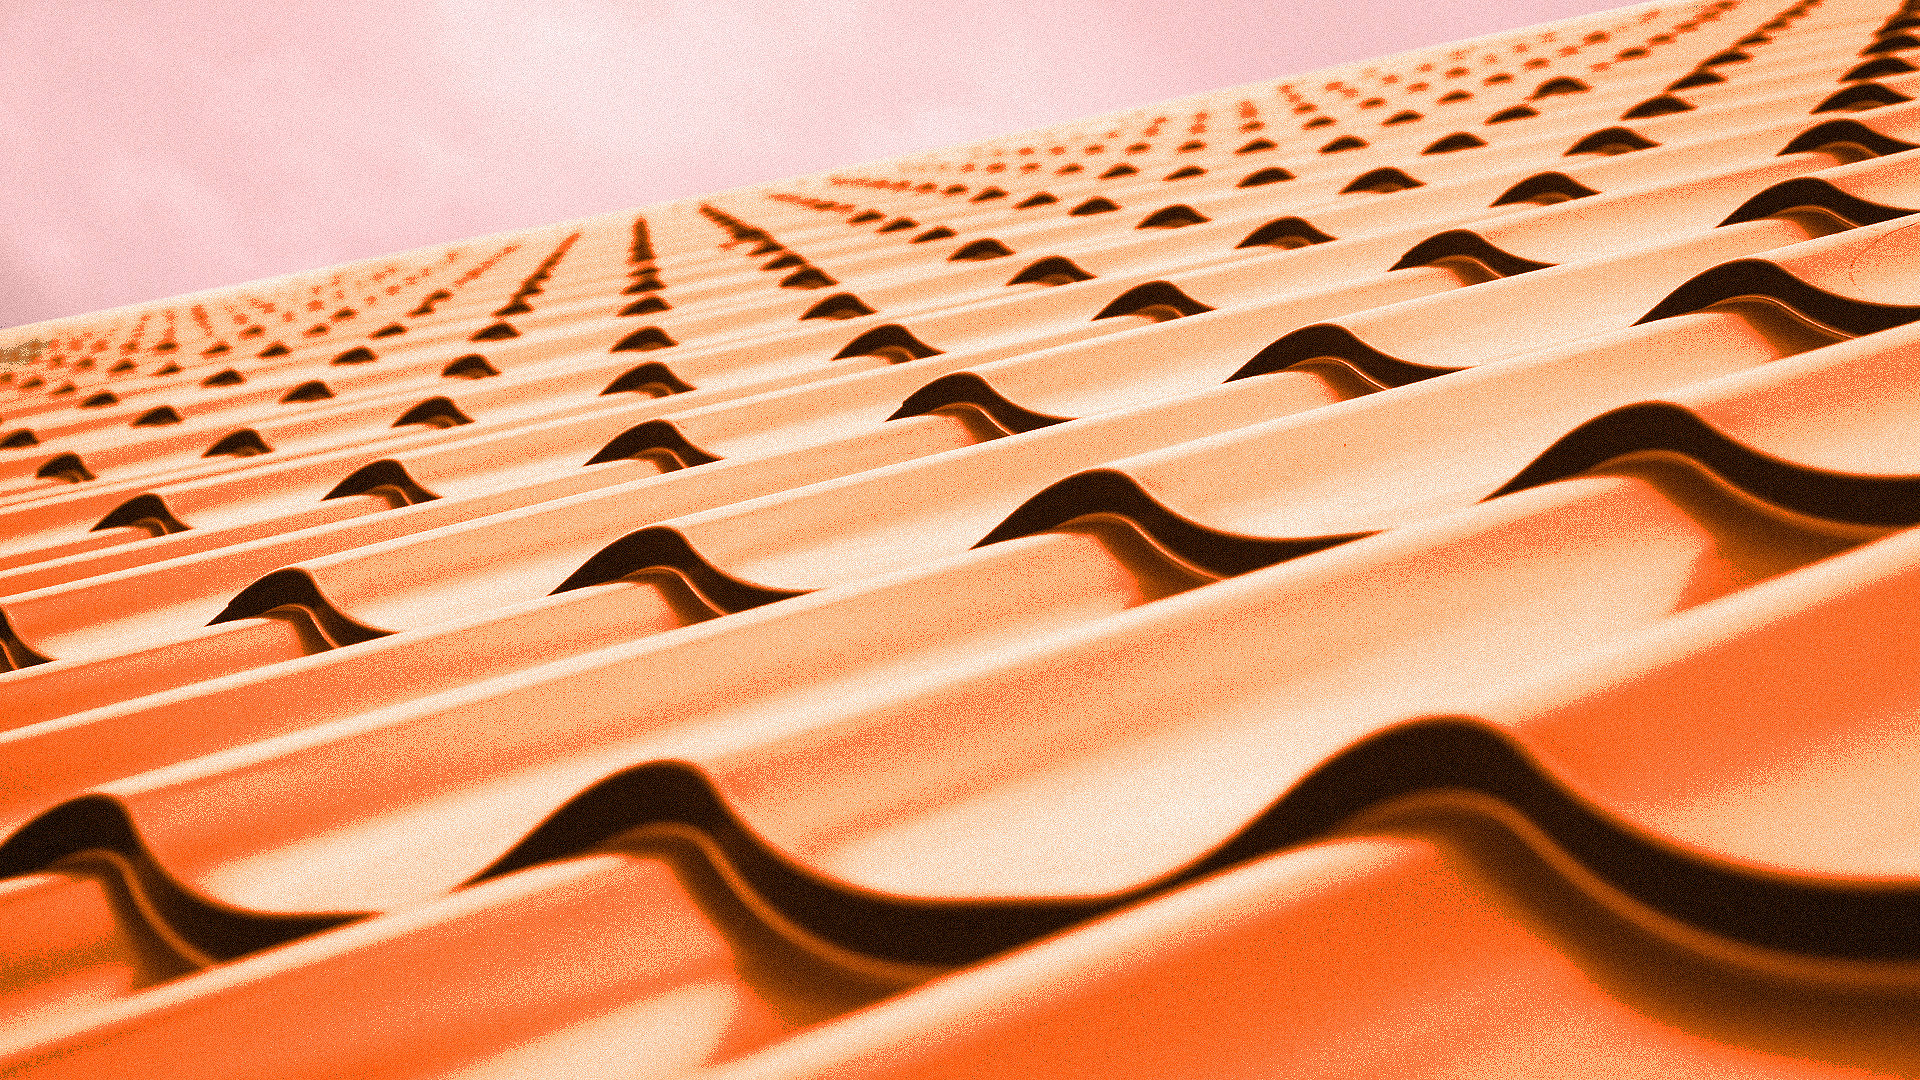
(1868, 922)
(1402, 569)
(1760, 279)
(943, 934)
(1657, 427)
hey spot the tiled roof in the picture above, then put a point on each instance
(1400, 572)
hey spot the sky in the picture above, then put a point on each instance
(155, 149)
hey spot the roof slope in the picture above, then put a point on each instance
(1397, 572)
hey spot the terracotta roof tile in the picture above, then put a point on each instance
(1412, 613)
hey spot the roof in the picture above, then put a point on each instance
(1403, 571)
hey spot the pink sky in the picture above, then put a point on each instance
(153, 149)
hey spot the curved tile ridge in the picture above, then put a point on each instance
(659, 546)
(70, 468)
(1544, 188)
(1846, 133)
(1881, 501)
(968, 388)
(1456, 244)
(15, 653)
(1324, 341)
(1611, 141)
(838, 306)
(645, 339)
(1773, 911)
(438, 412)
(1110, 492)
(1806, 917)
(1384, 181)
(653, 378)
(147, 512)
(658, 441)
(659, 793)
(1052, 270)
(1150, 295)
(1865, 95)
(1440, 755)
(207, 931)
(891, 341)
(384, 477)
(901, 929)
(1878, 69)
(1286, 232)
(293, 587)
(1758, 278)
(1813, 193)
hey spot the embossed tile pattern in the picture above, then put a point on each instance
(1402, 571)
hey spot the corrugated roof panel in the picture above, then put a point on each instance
(1398, 571)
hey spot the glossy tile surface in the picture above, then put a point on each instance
(1400, 571)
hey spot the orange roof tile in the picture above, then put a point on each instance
(1399, 571)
